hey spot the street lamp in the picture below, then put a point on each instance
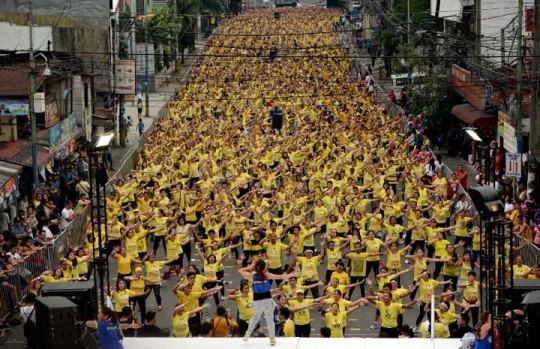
(98, 215)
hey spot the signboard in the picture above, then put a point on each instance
(502, 118)
(125, 77)
(51, 111)
(529, 19)
(513, 164)
(14, 106)
(509, 138)
(142, 57)
(473, 90)
(62, 132)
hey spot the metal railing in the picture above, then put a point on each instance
(36, 263)
(530, 253)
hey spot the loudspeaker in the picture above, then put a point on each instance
(81, 293)
(532, 306)
(55, 322)
(487, 200)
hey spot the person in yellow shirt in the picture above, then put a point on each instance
(308, 268)
(300, 306)
(389, 313)
(153, 275)
(121, 295)
(274, 250)
(471, 295)
(286, 326)
(373, 246)
(124, 261)
(185, 295)
(440, 329)
(244, 302)
(336, 320)
(520, 270)
(358, 263)
(137, 285)
(426, 288)
(180, 319)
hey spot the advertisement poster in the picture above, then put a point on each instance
(14, 107)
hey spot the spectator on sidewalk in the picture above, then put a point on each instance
(140, 127)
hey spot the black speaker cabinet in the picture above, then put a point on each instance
(55, 322)
(81, 293)
(487, 200)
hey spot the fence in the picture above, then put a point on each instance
(45, 259)
(529, 253)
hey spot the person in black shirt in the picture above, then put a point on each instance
(463, 326)
(150, 329)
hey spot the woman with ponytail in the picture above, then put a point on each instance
(262, 299)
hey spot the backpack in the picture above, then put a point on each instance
(29, 327)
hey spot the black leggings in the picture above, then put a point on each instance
(141, 302)
(438, 269)
(453, 284)
(302, 330)
(372, 265)
(474, 314)
(220, 274)
(355, 279)
(242, 327)
(186, 249)
(421, 313)
(210, 285)
(314, 290)
(157, 290)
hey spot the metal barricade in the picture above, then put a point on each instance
(529, 253)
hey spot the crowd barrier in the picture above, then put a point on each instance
(530, 253)
(35, 264)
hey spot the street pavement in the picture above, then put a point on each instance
(358, 322)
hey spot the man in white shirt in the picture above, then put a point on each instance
(28, 314)
(67, 215)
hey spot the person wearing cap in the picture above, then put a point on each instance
(308, 267)
(299, 307)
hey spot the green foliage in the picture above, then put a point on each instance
(434, 96)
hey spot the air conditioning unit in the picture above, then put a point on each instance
(39, 102)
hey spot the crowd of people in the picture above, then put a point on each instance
(287, 170)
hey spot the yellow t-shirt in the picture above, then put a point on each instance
(393, 260)
(335, 323)
(358, 263)
(519, 272)
(373, 246)
(389, 313)
(308, 268)
(124, 263)
(245, 307)
(426, 288)
(301, 317)
(153, 270)
(121, 299)
(273, 252)
(180, 324)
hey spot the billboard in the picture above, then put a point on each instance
(125, 77)
(14, 106)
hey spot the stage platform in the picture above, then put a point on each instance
(290, 343)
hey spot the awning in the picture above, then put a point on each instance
(474, 117)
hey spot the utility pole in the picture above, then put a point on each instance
(502, 47)
(409, 72)
(147, 99)
(519, 78)
(534, 136)
(33, 136)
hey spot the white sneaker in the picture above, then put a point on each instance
(272, 342)
(223, 298)
(246, 336)
(415, 329)
(374, 326)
